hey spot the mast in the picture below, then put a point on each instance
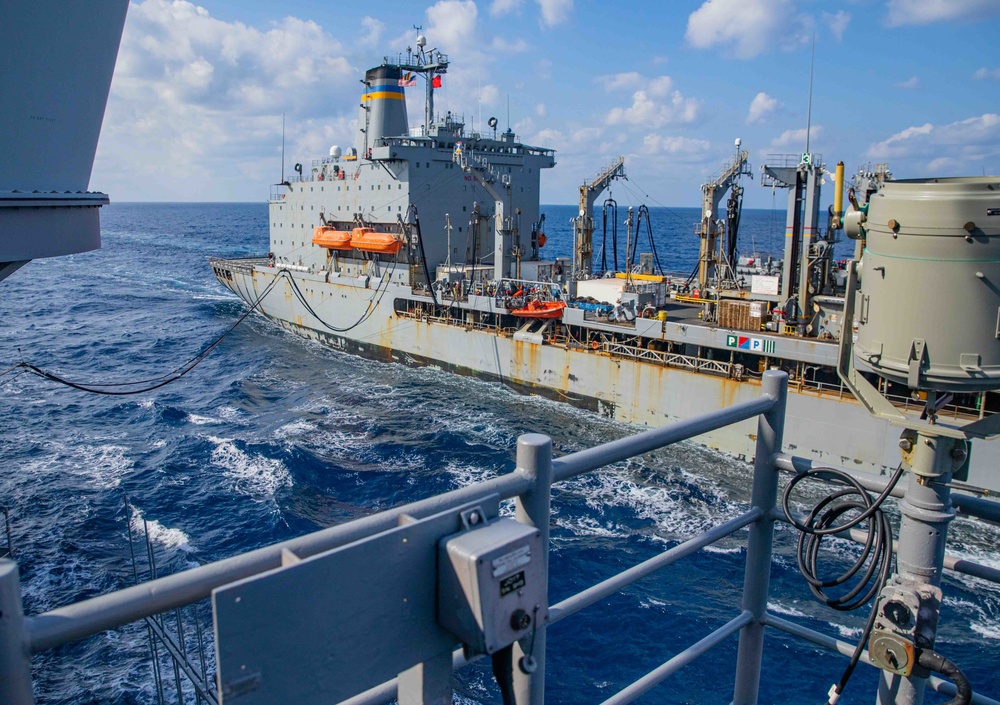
(809, 107)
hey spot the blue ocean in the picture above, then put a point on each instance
(272, 437)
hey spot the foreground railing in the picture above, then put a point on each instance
(426, 677)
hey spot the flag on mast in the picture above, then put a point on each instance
(436, 83)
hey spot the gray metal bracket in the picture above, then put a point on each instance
(328, 627)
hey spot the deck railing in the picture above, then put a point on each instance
(429, 678)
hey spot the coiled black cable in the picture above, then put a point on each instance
(876, 552)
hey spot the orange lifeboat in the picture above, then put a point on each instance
(540, 309)
(331, 238)
(367, 240)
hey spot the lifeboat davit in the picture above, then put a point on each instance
(367, 240)
(540, 309)
(331, 238)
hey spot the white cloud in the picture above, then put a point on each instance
(797, 138)
(985, 73)
(620, 81)
(911, 83)
(489, 95)
(503, 46)
(957, 146)
(837, 22)
(373, 29)
(660, 86)
(910, 12)
(887, 147)
(503, 7)
(541, 110)
(746, 27)
(648, 111)
(452, 23)
(761, 107)
(554, 11)
(194, 101)
(655, 144)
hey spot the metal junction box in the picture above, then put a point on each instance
(491, 584)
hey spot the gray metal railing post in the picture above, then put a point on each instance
(534, 458)
(757, 578)
(15, 657)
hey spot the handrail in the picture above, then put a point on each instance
(530, 483)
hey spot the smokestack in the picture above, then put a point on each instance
(383, 108)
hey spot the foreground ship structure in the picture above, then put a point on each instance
(54, 96)
(424, 246)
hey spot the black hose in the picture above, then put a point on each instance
(423, 254)
(877, 550)
(113, 388)
(503, 672)
(937, 663)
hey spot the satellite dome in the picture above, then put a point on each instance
(335, 152)
(421, 41)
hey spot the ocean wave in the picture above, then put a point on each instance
(159, 534)
(106, 465)
(198, 420)
(255, 476)
(294, 428)
(780, 608)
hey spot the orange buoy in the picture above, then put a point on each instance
(594, 345)
(331, 238)
(367, 240)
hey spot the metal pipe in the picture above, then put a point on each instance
(953, 563)
(15, 659)
(964, 504)
(844, 649)
(679, 661)
(757, 576)
(923, 529)
(534, 459)
(838, 195)
(592, 458)
(596, 593)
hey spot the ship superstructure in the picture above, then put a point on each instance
(392, 169)
(423, 246)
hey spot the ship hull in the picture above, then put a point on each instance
(829, 427)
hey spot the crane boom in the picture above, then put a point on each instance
(711, 196)
(583, 225)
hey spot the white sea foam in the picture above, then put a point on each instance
(465, 475)
(230, 414)
(990, 630)
(589, 526)
(779, 608)
(845, 631)
(295, 428)
(106, 465)
(651, 603)
(201, 420)
(158, 533)
(256, 476)
(668, 507)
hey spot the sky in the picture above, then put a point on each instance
(200, 88)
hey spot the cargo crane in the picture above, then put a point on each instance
(709, 229)
(583, 225)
